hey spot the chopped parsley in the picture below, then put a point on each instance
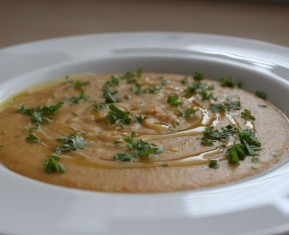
(185, 81)
(71, 143)
(52, 165)
(139, 118)
(189, 112)
(213, 164)
(246, 114)
(261, 94)
(152, 89)
(108, 93)
(198, 76)
(226, 106)
(79, 84)
(210, 135)
(109, 97)
(131, 77)
(40, 114)
(115, 114)
(202, 89)
(246, 143)
(114, 81)
(229, 82)
(137, 148)
(76, 99)
(236, 153)
(99, 106)
(165, 82)
(250, 141)
(174, 100)
(33, 138)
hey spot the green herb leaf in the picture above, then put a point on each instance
(261, 94)
(79, 84)
(229, 82)
(115, 114)
(198, 76)
(165, 82)
(152, 89)
(124, 157)
(174, 100)
(138, 148)
(33, 138)
(71, 143)
(210, 135)
(201, 89)
(250, 141)
(206, 141)
(131, 77)
(236, 153)
(139, 72)
(52, 165)
(40, 114)
(246, 114)
(76, 99)
(139, 118)
(109, 96)
(213, 164)
(226, 106)
(189, 112)
(185, 81)
(99, 106)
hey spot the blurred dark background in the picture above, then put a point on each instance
(30, 20)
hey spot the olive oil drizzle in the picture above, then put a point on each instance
(187, 160)
(161, 131)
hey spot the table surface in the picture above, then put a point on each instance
(31, 20)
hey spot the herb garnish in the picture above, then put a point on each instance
(109, 96)
(198, 76)
(99, 106)
(209, 134)
(201, 88)
(79, 84)
(71, 143)
(261, 94)
(40, 114)
(152, 89)
(246, 143)
(165, 82)
(76, 99)
(33, 138)
(130, 77)
(52, 165)
(174, 100)
(226, 106)
(137, 148)
(213, 164)
(246, 114)
(229, 82)
(236, 153)
(115, 114)
(108, 93)
(189, 112)
(139, 118)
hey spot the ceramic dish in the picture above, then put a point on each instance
(257, 205)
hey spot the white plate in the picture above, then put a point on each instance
(258, 205)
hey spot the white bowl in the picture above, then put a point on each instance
(257, 205)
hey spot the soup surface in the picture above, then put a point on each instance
(141, 132)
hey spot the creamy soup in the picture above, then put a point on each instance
(141, 132)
